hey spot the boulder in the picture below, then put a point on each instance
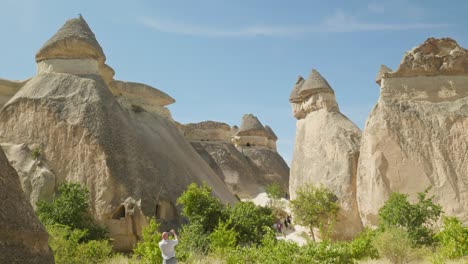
(326, 151)
(416, 135)
(23, 238)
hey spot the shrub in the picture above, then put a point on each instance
(274, 191)
(417, 219)
(36, 152)
(67, 248)
(200, 206)
(222, 237)
(249, 220)
(362, 246)
(452, 240)
(71, 208)
(315, 207)
(397, 246)
(193, 240)
(148, 250)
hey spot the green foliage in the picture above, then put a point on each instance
(222, 237)
(274, 191)
(326, 252)
(362, 246)
(36, 152)
(71, 208)
(67, 248)
(417, 219)
(148, 250)
(452, 240)
(397, 246)
(200, 206)
(315, 207)
(193, 240)
(249, 220)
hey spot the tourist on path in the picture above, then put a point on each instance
(167, 247)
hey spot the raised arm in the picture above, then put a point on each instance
(174, 234)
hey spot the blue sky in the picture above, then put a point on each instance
(222, 59)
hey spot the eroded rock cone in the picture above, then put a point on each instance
(326, 151)
(23, 238)
(416, 135)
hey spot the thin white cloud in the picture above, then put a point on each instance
(339, 22)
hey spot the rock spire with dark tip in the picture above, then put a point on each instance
(315, 83)
(74, 40)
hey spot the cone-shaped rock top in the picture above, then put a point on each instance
(295, 96)
(315, 83)
(383, 69)
(251, 126)
(270, 133)
(74, 40)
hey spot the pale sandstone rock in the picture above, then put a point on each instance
(326, 151)
(382, 71)
(87, 136)
(8, 88)
(246, 170)
(416, 135)
(37, 180)
(23, 238)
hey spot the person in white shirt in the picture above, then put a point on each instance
(167, 247)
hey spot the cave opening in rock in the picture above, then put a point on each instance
(119, 213)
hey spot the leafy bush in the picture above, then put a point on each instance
(249, 220)
(326, 252)
(71, 208)
(193, 240)
(222, 237)
(397, 246)
(200, 206)
(274, 191)
(452, 240)
(68, 248)
(362, 246)
(148, 250)
(417, 219)
(36, 152)
(315, 207)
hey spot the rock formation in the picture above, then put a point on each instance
(8, 88)
(23, 238)
(113, 136)
(326, 149)
(244, 158)
(416, 135)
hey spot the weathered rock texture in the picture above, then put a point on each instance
(245, 159)
(326, 149)
(416, 135)
(90, 135)
(8, 88)
(36, 178)
(23, 239)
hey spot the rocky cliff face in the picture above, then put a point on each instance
(100, 132)
(244, 158)
(23, 239)
(416, 135)
(326, 149)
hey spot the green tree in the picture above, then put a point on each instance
(193, 241)
(417, 219)
(148, 250)
(200, 206)
(453, 239)
(315, 207)
(71, 208)
(223, 237)
(249, 221)
(273, 191)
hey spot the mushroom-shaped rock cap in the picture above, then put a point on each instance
(434, 57)
(295, 96)
(314, 84)
(251, 126)
(74, 40)
(270, 134)
(209, 125)
(140, 92)
(383, 69)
